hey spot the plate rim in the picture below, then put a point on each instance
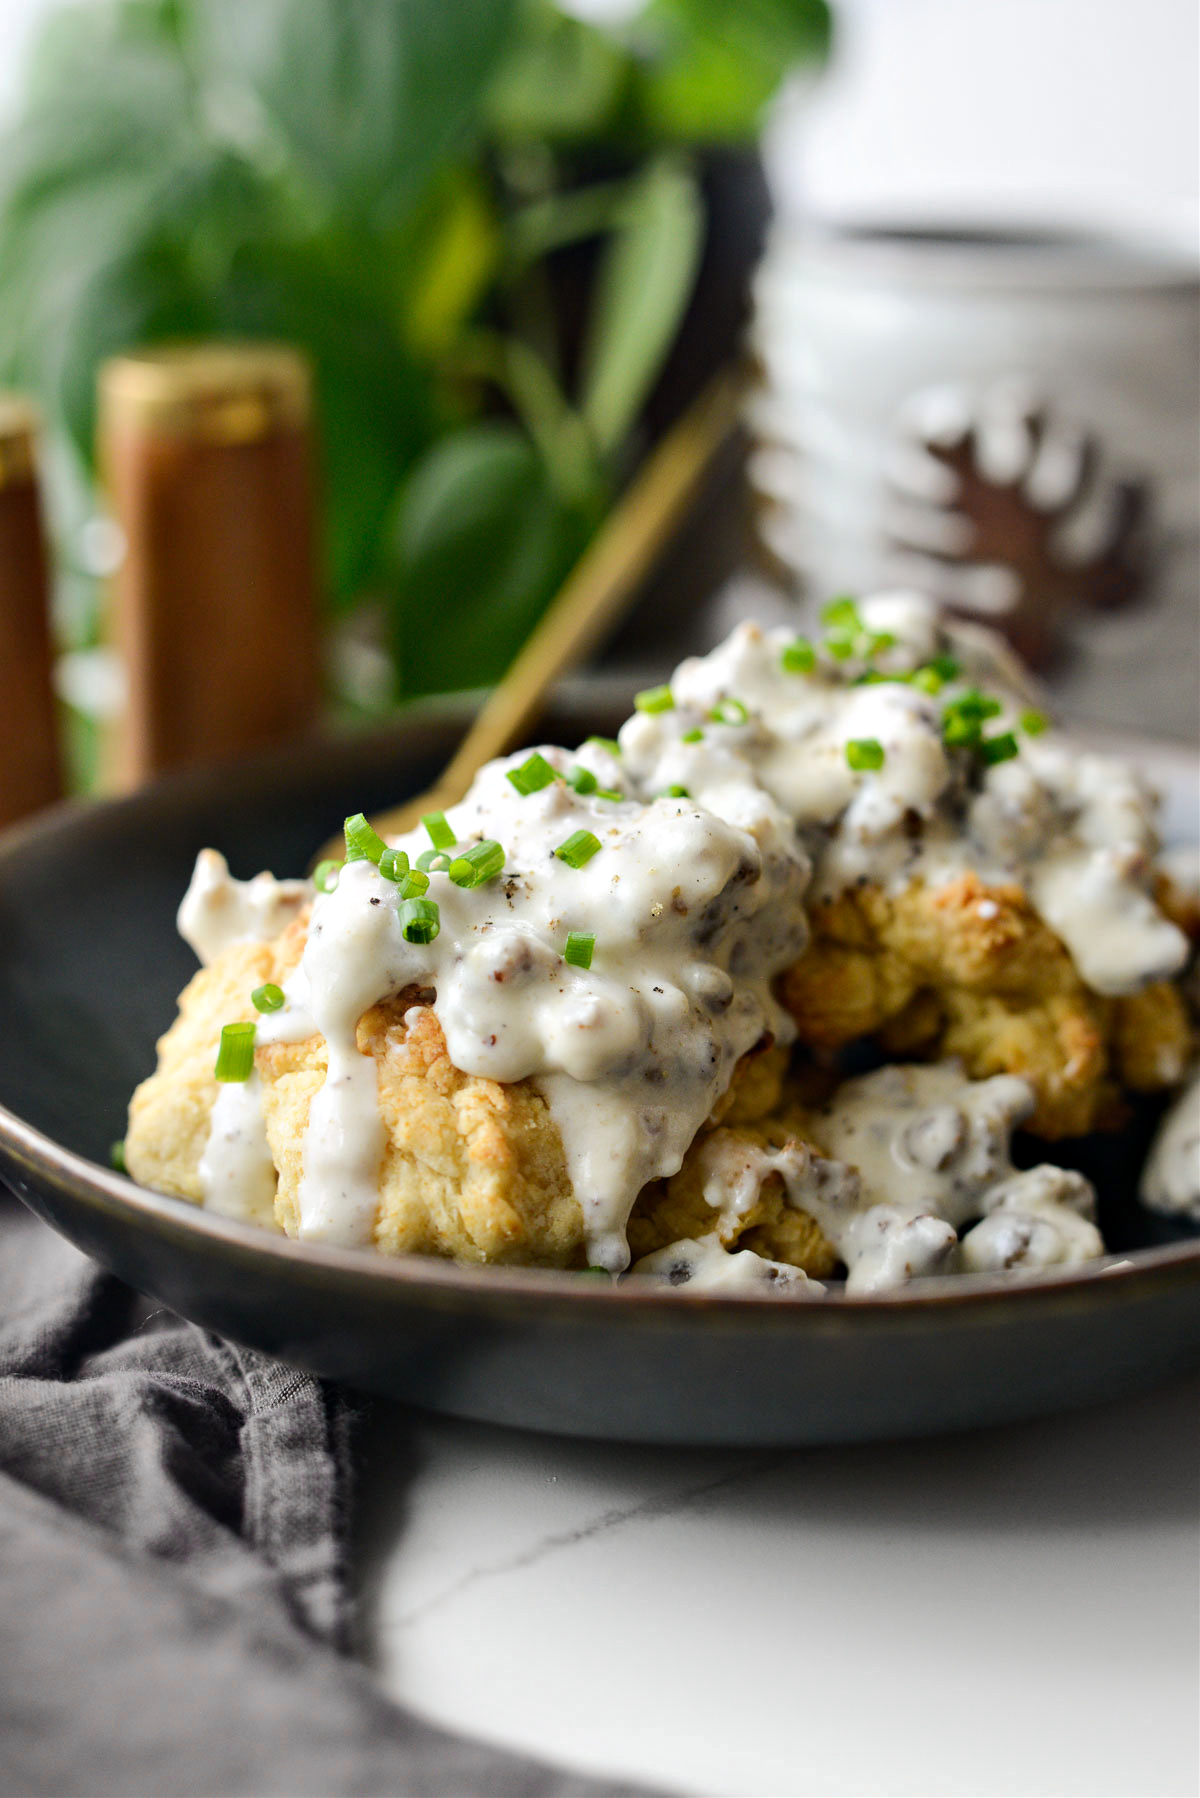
(102, 1188)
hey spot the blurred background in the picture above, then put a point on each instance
(510, 242)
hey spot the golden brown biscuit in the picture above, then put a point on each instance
(671, 1209)
(169, 1113)
(472, 1169)
(1151, 1038)
(969, 969)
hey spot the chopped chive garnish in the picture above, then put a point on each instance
(419, 920)
(998, 749)
(879, 641)
(433, 861)
(655, 699)
(362, 842)
(692, 736)
(579, 949)
(482, 861)
(440, 833)
(842, 614)
(674, 793)
(116, 1157)
(579, 848)
(533, 774)
(729, 711)
(959, 730)
(235, 1057)
(609, 743)
(1034, 723)
(268, 997)
(839, 646)
(864, 753)
(582, 779)
(799, 657)
(974, 704)
(607, 793)
(415, 882)
(928, 679)
(963, 718)
(325, 876)
(393, 864)
(945, 667)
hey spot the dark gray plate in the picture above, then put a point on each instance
(89, 969)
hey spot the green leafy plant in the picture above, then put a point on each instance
(394, 185)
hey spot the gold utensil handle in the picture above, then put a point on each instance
(593, 596)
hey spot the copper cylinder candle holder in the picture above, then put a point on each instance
(207, 458)
(30, 765)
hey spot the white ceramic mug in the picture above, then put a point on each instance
(1009, 420)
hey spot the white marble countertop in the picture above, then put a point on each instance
(1014, 1612)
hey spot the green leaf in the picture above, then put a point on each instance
(370, 97)
(374, 402)
(643, 288)
(140, 297)
(561, 79)
(454, 253)
(709, 67)
(482, 544)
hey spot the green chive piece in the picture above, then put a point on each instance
(959, 730)
(267, 998)
(974, 704)
(655, 699)
(325, 876)
(582, 779)
(533, 774)
(607, 793)
(799, 657)
(864, 754)
(440, 833)
(235, 1057)
(928, 679)
(595, 1273)
(839, 646)
(608, 743)
(963, 718)
(433, 861)
(674, 793)
(415, 882)
(579, 848)
(729, 711)
(945, 667)
(419, 920)
(579, 949)
(116, 1157)
(481, 862)
(1034, 723)
(692, 736)
(842, 614)
(362, 842)
(880, 641)
(998, 749)
(393, 864)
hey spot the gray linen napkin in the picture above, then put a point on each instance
(173, 1610)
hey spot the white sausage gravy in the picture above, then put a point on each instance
(765, 775)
